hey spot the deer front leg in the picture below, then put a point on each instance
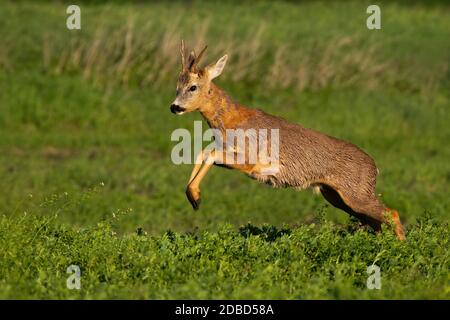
(193, 188)
(197, 165)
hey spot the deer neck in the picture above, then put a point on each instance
(221, 112)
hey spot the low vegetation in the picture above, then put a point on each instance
(314, 261)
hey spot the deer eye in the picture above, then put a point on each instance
(193, 88)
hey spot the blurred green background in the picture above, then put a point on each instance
(85, 123)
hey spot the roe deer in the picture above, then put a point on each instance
(344, 174)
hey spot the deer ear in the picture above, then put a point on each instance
(214, 70)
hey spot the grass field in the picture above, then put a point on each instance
(85, 149)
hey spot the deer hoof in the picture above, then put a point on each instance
(194, 198)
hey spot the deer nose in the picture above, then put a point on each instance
(174, 108)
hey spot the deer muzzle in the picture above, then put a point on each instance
(174, 108)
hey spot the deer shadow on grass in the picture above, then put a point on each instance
(268, 233)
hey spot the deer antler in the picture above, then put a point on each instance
(192, 60)
(197, 59)
(183, 55)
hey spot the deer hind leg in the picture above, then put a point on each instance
(368, 209)
(399, 232)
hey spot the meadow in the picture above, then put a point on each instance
(85, 149)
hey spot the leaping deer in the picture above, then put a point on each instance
(344, 174)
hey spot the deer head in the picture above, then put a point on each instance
(193, 87)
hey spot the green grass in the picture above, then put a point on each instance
(308, 262)
(85, 133)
